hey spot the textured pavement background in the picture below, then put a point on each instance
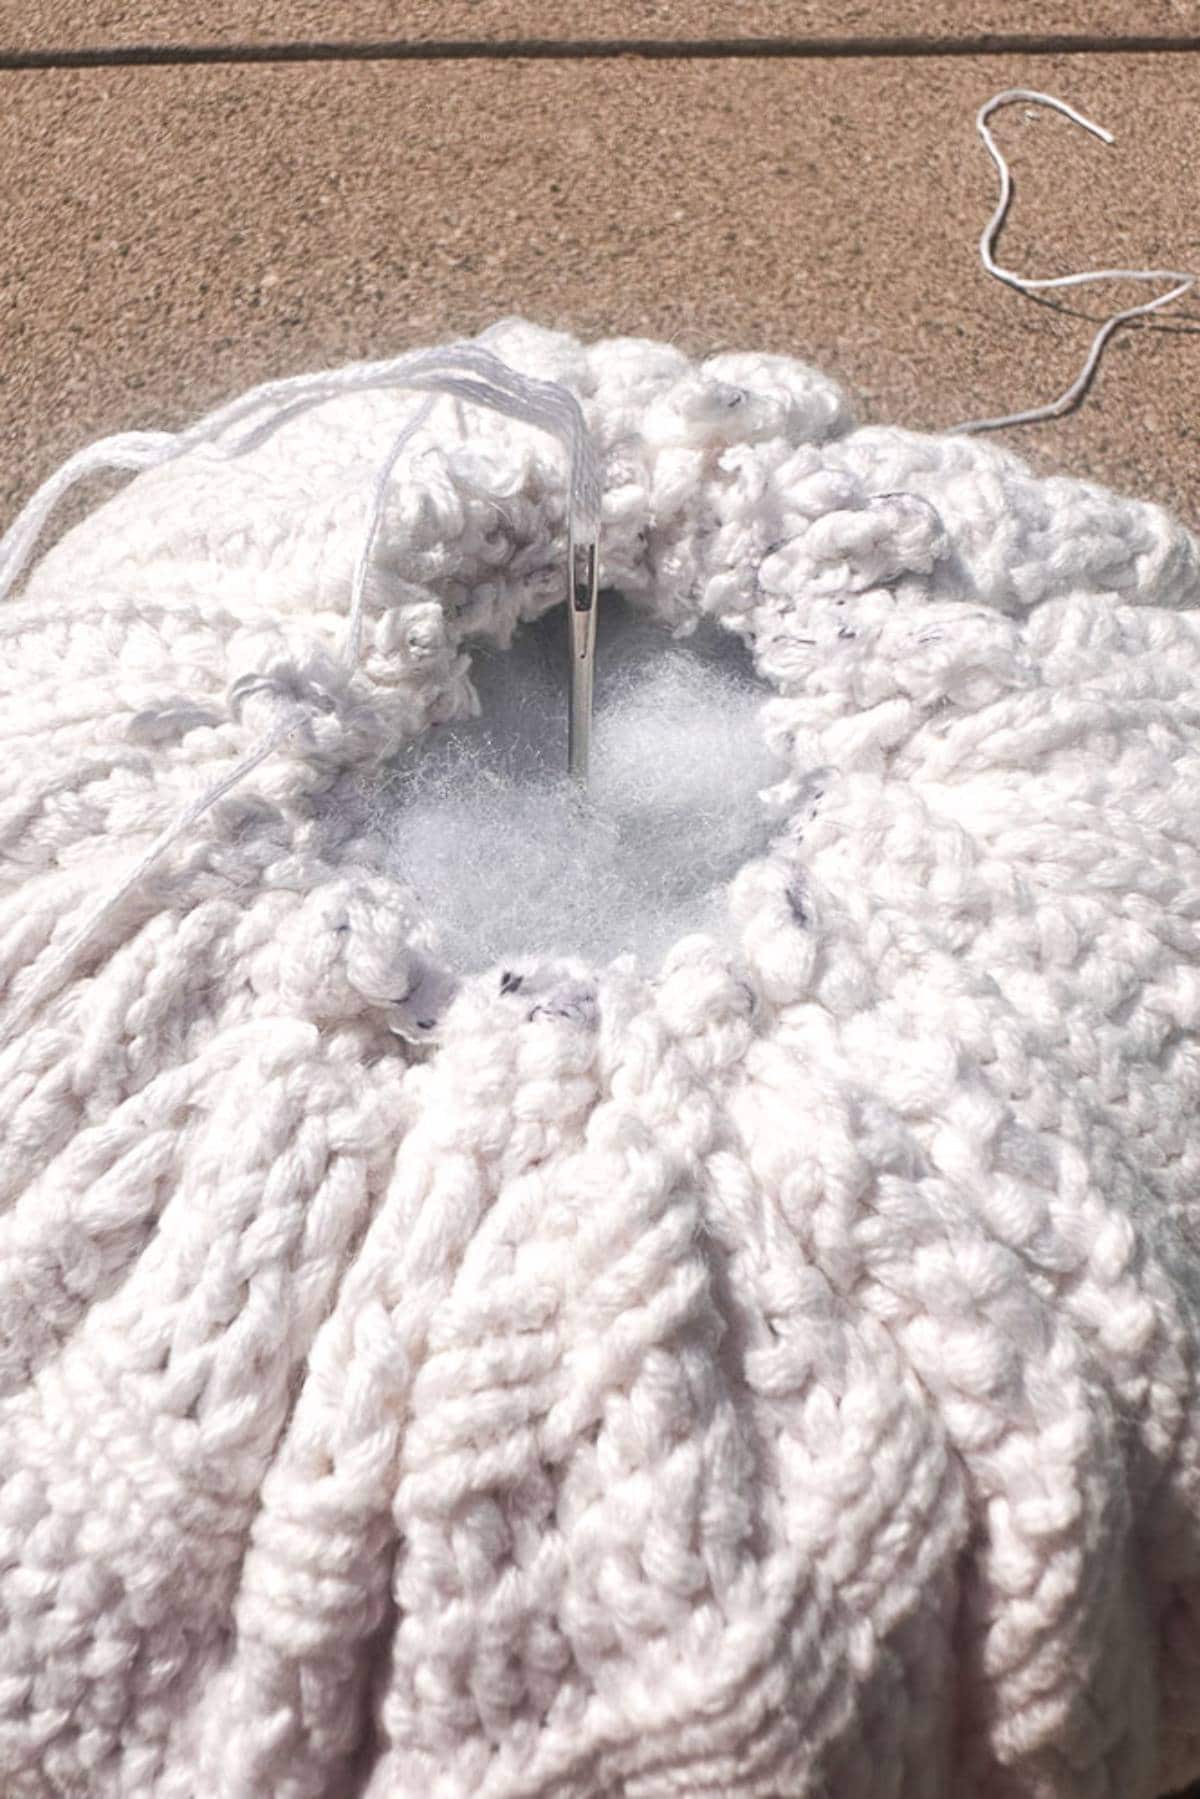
(202, 194)
(173, 231)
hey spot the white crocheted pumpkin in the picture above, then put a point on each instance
(771, 1371)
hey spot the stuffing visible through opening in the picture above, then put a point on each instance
(506, 857)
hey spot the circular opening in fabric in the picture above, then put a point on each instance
(506, 858)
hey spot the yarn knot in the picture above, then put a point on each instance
(313, 707)
(289, 684)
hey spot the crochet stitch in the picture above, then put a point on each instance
(772, 1372)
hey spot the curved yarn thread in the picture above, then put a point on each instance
(1030, 283)
(464, 371)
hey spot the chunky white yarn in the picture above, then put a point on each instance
(774, 1372)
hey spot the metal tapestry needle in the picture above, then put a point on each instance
(583, 562)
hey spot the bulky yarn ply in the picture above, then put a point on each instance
(774, 1372)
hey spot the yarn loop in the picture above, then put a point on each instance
(290, 684)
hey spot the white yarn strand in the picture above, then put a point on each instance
(1027, 284)
(129, 452)
(362, 566)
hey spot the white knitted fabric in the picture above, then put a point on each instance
(774, 1372)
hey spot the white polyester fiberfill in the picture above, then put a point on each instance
(507, 857)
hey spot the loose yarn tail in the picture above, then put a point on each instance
(129, 452)
(1182, 281)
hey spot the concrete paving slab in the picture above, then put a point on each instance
(170, 236)
(85, 24)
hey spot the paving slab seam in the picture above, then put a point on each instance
(594, 49)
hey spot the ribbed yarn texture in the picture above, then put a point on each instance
(771, 1373)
